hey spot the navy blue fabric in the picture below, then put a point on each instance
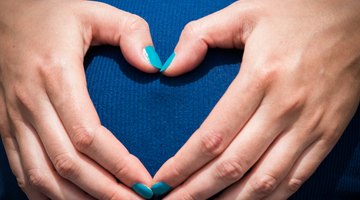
(1, 184)
(153, 115)
(9, 186)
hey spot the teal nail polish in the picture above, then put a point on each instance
(143, 190)
(152, 57)
(168, 62)
(160, 188)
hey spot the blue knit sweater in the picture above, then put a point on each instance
(153, 115)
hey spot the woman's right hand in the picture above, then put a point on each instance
(55, 143)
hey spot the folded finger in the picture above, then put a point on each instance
(243, 152)
(70, 98)
(302, 170)
(13, 155)
(228, 117)
(70, 164)
(108, 25)
(217, 30)
(272, 168)
(38, 168)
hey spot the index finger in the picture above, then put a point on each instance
(228, 28)
(68, 94)
(236, 106)
(224, 122)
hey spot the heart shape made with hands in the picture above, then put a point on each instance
(166, 120)
(208, 98)
(59, 142)
(55, 145)
(249, 90)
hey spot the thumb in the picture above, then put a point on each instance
(227, 28)
(105, 24)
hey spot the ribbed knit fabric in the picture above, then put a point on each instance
(1, 184)
(153, 116)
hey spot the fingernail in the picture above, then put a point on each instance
(168, 62)
(151, 55)
(160, 188)
(143, 190)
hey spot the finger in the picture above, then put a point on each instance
(272, 168)
(231, 113)
(269, 121)
(243, 152)
(109, 25)
(13, 156)
(12, 153)
(11, 147)
(69, 96)
(38, 168)
(36, 196)
(69, 163)
(218, 30)
(302, 170)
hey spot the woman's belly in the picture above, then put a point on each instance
(150, 114)
(153, 116)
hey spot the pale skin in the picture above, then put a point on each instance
(296, 91)
(55, 143)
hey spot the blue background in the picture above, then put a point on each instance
(153, 115)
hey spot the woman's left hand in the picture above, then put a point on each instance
(297, 90)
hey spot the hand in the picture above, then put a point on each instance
(55, 143)
(297, 89)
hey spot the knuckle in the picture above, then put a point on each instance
(192, 29)
(121, 169)
(263, 186)
(312, 129)
(14, 117)
(53, 73)
(22, 183)
(289, 107)
(266, 74)
(294, 184)
(24, 98)
(112, 196)
(211, 142)
(261, 77)
(137, 23)
(50, 66)
(37, 178)
(66, 166)
(247, 26)
(19, 92)
(295, 103)
(229, 170)
(177, 170)
(83, 137)
(329, 138)
(187, 195)
(328, 135)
